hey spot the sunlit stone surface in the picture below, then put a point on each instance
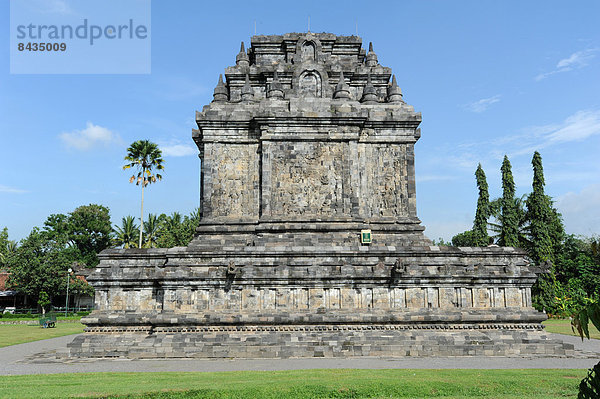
(297, 159)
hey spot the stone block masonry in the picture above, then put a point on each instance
(308, 142)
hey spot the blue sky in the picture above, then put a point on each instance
(490, 78)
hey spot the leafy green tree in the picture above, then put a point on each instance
(546, 233)
(11, 247)
(556, 229)
(478, 235)
(595, 248)
(465, 239)
(125, 234)
(523, 224)
(144, 156)
(176, 230)
(589, 388)
(172, 232)
(192, 221)
(483, 210)
(90, 231)
(509, 216)
(441, 242)
(40, 263)
(539, 213)
(43, 301)
(577, 269)
(87, 229)
(7, 247)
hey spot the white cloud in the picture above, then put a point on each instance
(178, 150)
(50, 7)
(426, 178)
(90, 137)
(465, 160)
(577, 127)
(576, 60)
(483, 104)
(11, 190)
(58, 7)
(581, 211)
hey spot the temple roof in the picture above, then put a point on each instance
(308, 68)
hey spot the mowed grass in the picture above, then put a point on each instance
(331, 383)
(12, 334)
(563, 326)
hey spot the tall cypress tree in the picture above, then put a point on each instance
(509, 218)
(546, 233)
(540, 215)
(483, 209)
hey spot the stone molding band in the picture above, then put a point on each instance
(309, 328)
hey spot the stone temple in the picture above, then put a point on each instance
(309, 243)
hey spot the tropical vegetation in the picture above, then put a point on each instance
(39, 264)
(159, 231)
(532, 222)
(589, 388)
(144, 156)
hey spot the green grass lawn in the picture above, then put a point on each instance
(563, 326)
(301, 384)
(12, 334)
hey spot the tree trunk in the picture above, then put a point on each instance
(142, 214)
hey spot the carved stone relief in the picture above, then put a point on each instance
(234, 180)
(306, 179)
(387, 194)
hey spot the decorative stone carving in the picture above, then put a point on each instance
(247, 92)
(342, 90)
(241, 58)
(371, 59)
(275, 88)
(369, 95)
(292, 171)
(399, 268)
(394, 94)
(308, 177)
(308, 51)
(220, 93)
(232, 269)
(310, 84)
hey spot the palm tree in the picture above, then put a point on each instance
(144, 156)
(173, 222)
(523, 225)
(9, 249)
(192, 221)
(151, 230)
(125, 235)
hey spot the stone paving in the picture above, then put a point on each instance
(50, 356)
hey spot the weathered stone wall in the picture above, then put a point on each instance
(321, 341)
(306, 144)
(232, 180)
(257, 280)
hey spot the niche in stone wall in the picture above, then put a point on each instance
(309, 51)
(310, 84)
